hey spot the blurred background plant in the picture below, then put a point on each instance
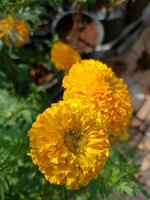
(28, 84)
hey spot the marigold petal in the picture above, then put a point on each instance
(64, 56)
(71, 154)
(95, 83)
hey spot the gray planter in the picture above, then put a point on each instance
(64, 21)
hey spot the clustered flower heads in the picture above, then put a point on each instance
(70, 140)
(94, 82)
(14, 30)
(63, 56)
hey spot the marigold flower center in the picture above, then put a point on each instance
(72, 140)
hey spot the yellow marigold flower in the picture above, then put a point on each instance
(96, 83)
(68, 143)
(64, 56)
(22, 29)
(6, 26)
(18, 28)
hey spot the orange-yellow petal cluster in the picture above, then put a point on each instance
(63, 56)
(68, 143)
(18, 29)
(94, 82)
(22, 29)
(6, 26)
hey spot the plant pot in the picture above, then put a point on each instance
(54, 88)
(113, 28)
(114, 23)
(90, 37)
(50, 81)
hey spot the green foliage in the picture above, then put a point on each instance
(12, 6)
(55, 3)
(16, 116)
(119, 176)
(85, 3)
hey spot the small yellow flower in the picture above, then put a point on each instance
(64, 56)
(6, 26)
(22, 29)
(68, 144)
(94, 82)
(18, 28)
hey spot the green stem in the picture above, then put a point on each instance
(66, 194)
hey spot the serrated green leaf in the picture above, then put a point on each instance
(125, 187)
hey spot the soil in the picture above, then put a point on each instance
(40, 74)
(87, 38)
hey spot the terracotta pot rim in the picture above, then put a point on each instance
(99, 26)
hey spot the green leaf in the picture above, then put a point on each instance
(127, 188)
(4, 183)
(2, 196)
(143, 190)
(82, 197)
(145, 193)
(27, 116)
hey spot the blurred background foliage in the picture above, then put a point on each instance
(21, 99)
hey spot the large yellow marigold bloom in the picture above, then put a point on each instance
(64, 56)
(96, 83)
(18, 28)
(68, 143)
